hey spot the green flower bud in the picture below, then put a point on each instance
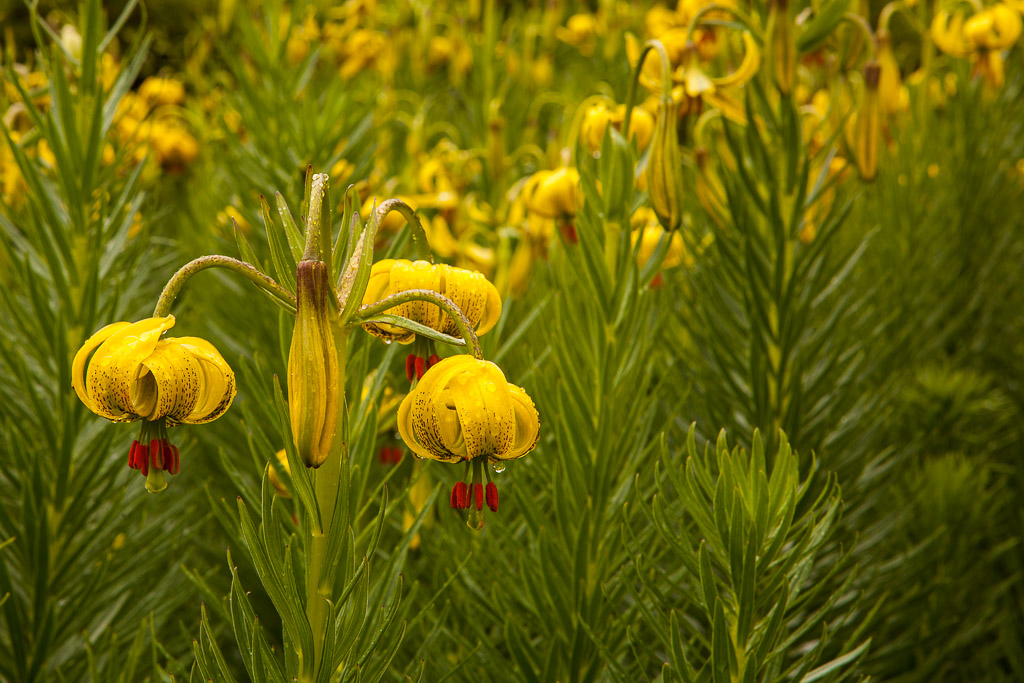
(313, 365)
(783, 46)
(869, 123)
(665, 167)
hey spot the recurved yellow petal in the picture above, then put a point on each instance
(78, 366)
(527, 424)
(115, 367)
(464, 408)
(747, 68)
(480, 394)
(216, 388)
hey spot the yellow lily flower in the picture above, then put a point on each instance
(581, 31)
(996, 28)
(598, 116)
(647, 230)
(464, 410)
(132, 374)
(948, 34)
(553, 194)
(889, 90)
(162, 91)
(475, 296)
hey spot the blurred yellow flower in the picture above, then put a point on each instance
(996, 28)
(162, 91)
(282, 461)
(581, 31)
(598, 116)
(173, 146)
(648, 232)
(553, 194)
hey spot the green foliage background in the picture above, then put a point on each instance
(664, 529)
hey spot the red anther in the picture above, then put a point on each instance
(131, 454)
(389, 455)
(657, 282)
(154, 454)
(175, 461)
(569, 233)
(460, 496)
(142, 458)
(478, 496)
(492, 496)
(419, 367)
(410, 366)
(433, 360)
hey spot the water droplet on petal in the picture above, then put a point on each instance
(498, 467)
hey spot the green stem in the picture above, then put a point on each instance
(419, 235)
(631, 94)
(865, 28)
(327, 480)
(443, 302)
(177, 281)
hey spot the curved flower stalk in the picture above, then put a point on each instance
(440, 300)
(463, 410)
(470, 291)
(133, 374)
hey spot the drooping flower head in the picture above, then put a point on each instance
(133, 374)
(467, 289)
(463, 410)
(554, 194)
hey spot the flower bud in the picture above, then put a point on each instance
(783, 47)
(665, 167)
(869, 123)
(313, 365)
